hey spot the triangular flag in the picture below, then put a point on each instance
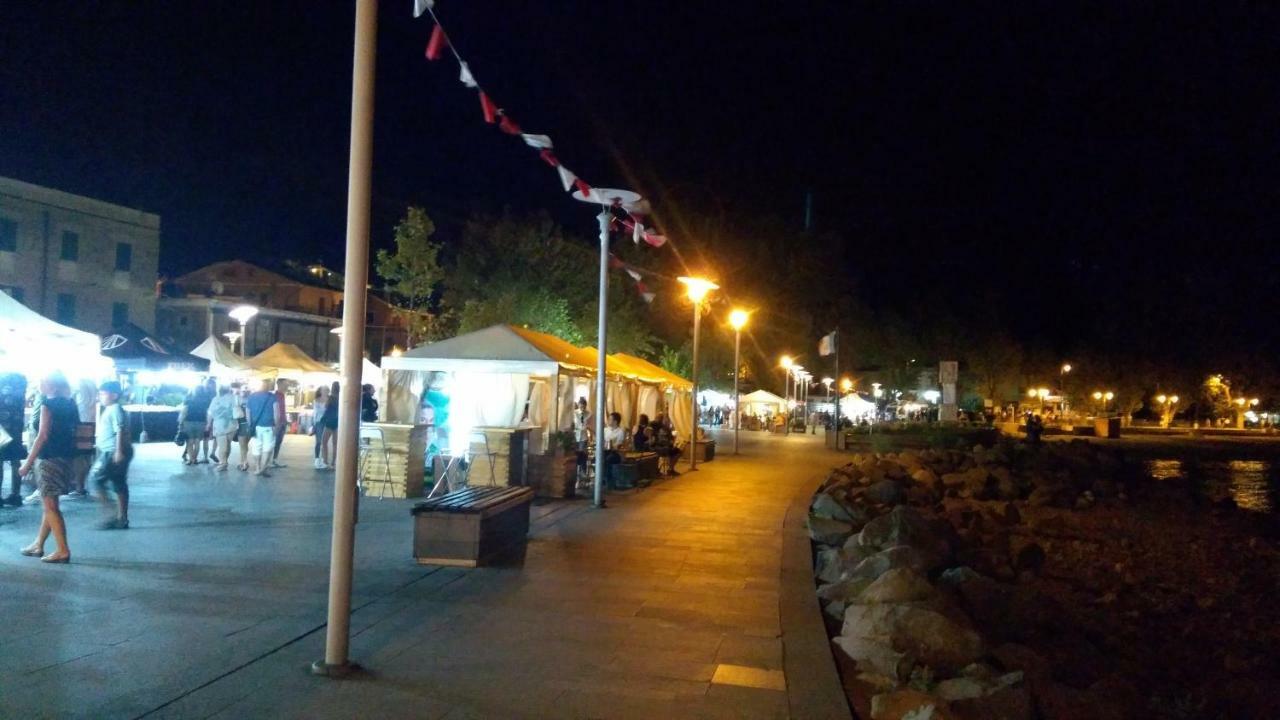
(637, 232)
(490, 110)
(537, 141)
(634, 275)
(421, 6)
(648, 297)
(655, 240)
(567, 178)
(508, 126)
(436, 44)
(582, 187)
(615, 263)
(549, 158)
(465, 76)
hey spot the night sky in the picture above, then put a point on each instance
(1103, 169)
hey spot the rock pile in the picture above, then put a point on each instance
(910, 583)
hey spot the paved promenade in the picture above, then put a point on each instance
(669, 604)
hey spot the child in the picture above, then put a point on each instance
(113, 453)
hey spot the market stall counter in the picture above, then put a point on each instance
(158, 422)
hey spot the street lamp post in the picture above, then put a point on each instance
(786, 364)
(737, 319)
(360, 171)
(243, 314)
(697, 289)
(232, 337)
(1062, 384)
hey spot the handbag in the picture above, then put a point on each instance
(180, 438)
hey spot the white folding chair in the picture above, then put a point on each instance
(373, 441)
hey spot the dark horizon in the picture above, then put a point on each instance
(1096, 175)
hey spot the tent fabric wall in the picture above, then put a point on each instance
(404, 396)
(647, 401)
(681, 412)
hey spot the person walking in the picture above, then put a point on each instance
(368, 404)
(51, 454)
(113, 452)
(329, 445)
(244, 433)
(261, 407)
(317, 416)
(282, 423)
(582, 422)
(86, 398)
(13, 401)
(193, 418)
(221, 425)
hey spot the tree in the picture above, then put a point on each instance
(411, 273)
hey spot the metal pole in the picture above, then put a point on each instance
(337, 635)
(602, 325)
(737, 398)
(786, 397)
(693, 432)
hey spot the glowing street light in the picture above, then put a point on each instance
(232, 337)
(846, 385)
(243, 314)
(697, 289)
(737, 320)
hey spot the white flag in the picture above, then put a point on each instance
(634, 275)
(637, 232)
(827, 345)
(542, 142)
(464, 75)
(566, 177)
(421, 6)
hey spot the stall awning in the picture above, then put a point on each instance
(131, 348)
(17, 321)
(217, 353)
(496, 349)
(286, 358)
(644, 370)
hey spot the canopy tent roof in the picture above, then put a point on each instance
(217, 353)
(287, 358)
(18, 322)
(644, 370)
(764, 397)
(132, 348)
(497, 349)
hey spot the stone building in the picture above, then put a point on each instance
(82, 262)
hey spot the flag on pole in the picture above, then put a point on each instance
(541, 142)
(421, 6)
(488, 108)
(827, 345)
(465, 76)
(634, 275)
(567, 177)
(637, 232)
(655, 240)
(508, 126)
(436, 44)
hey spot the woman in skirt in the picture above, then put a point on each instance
(51, 456)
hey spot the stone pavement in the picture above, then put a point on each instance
(670, 603)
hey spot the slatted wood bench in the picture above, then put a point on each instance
(471, 526)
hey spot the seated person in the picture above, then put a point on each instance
(615, 441)
(640, 436)
(664, 443)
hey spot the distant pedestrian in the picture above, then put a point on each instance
(222, 425)
(282, 422)
(317, 416)
(13, 401)
(51, 454)
(582, 432)
(368, 404)
(192, 419)
(261, 408)
(113, 452)
(329, 423)
(244, 432)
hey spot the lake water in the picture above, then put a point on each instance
(1254, 485)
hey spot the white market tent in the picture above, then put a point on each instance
(493, 376)
(762, 402)
(854, 407)
(289, 361)
(222, 360)
(33, 345)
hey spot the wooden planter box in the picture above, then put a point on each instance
(471, 526)
(706, 450)
(553, 476)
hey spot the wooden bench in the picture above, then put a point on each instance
(470, 526)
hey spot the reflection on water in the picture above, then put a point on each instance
(1250, 483)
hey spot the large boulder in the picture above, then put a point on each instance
(925, 635)
(828, 531)
(899, 585)
(905, 526)
(836, 563)
(838, 595)
(885, 492)
(877, 564)
(875, 656)
(826, 505)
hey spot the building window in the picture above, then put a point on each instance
(124, 257)
(66, 308)
(119, 314)
(70, 246)
(12, 291)
(8, 235)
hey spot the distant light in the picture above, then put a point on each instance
(1174, 399)
(786, 362)
(932, 395)
(1108, 395)
(1097, 394)
(243, 313)
(846, 384)
(396, 352)
(1161, 399)
(738, 319)
(1066, 367)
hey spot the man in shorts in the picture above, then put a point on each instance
(113, 451)
(261, 411)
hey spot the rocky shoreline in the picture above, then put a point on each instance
(1049, 582)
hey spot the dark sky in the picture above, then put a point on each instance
(1078, 155)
